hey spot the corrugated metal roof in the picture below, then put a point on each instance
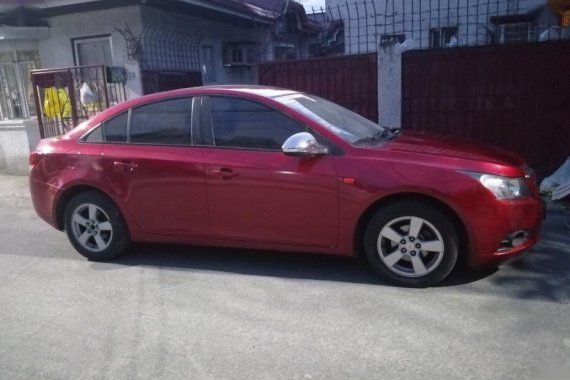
(269, 9)
(277, 6)
(273, 9)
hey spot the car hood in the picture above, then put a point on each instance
(424, 143)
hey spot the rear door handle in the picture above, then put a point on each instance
(223, 173)
(124, 166)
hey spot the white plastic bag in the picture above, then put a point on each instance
(558, 183)
(86, 95)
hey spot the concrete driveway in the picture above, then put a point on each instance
(165, 312)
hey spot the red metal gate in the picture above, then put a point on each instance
(516, 96)
(350, 80)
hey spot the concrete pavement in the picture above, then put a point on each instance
(167, 312)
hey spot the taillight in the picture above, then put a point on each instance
(35, 158)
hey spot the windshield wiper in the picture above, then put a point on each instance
(394, 132)
(384, 135)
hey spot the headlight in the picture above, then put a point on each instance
(503, 187)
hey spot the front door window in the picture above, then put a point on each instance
(244, 124)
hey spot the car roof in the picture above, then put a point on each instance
(252, 90)
(265, 91)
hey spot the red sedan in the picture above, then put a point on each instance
(267, 168)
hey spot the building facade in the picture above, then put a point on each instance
(441, 23)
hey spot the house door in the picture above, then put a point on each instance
(93, 51)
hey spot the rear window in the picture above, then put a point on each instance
(95, 136)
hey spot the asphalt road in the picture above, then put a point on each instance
(165, 312)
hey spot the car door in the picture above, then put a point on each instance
(256, 192)
(154, 169)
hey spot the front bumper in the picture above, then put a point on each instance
(503, 218)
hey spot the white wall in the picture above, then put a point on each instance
(57, 51)
(17, 138)
(2, 158)
(365, 20)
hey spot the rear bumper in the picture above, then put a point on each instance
(43, 199)
(505, 218)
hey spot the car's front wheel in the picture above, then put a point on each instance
(95, 226)
(412, 243)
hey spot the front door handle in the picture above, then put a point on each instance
(124, 166)
(223, 173)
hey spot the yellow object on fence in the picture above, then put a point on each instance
(56, 103)
(566, 19)
(562, 8)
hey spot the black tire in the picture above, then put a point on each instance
(117, 239)
(390, 215)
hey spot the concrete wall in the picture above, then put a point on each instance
(390, 85)
(2, 158)
(17, 139)
(57, 50)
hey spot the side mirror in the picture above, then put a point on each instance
(303, 144)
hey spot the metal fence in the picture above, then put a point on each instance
(511, 96)
(360, 26)
(351, 81)
(65, 97)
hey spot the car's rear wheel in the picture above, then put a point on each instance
(412, 243)
(95, 226)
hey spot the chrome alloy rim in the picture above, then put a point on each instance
(410, 246)
(92, 227)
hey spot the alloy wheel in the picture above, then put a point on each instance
(410, 246)
(92, 227)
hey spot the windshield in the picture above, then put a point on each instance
(342, 122)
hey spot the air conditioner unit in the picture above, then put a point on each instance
(236, 55)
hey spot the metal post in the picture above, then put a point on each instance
(39, 110)
(105, 81)
(71, 90)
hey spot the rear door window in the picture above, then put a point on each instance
(166, 122)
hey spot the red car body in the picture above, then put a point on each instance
(269, 200)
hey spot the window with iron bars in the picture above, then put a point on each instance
(16, 90)
(510, 33)
(443, 37)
